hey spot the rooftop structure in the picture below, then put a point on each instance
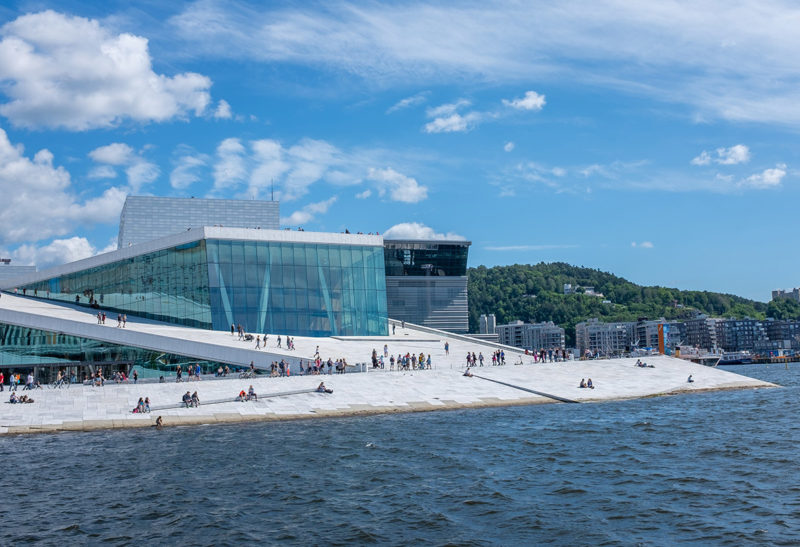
(791, 294)
(145, 218)
(426, 282)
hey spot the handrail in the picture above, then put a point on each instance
(462, 337)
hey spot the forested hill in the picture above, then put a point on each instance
(534, 293)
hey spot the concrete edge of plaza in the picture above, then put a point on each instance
(444, 388)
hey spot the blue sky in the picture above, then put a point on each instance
(658, 141)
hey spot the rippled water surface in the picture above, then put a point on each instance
(714, 468)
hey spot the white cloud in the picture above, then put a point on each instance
(102, 172)
(769, 178)
(408, 102)
(446, 119)
(660, 50)
(734, 155)
(138, 170)
(229, 169)
(447, 108)
(531, 101)
(453, 123)
(703, 159)
(642, 245)
(415, 230)
(251, 169)
(46, 206)
(116, 153)
(184, 174)
(59, 251)
(141, 173)
(398, 186)
(223, 110)
(509, 146)
(308, 212)
(364, 195)
(73, 73)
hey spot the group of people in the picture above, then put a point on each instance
(15, 380)
(552, 355)
(191, 399)
(250, 395)
(261, 342)
(641, 364)
(317, 366)
(586, 384)
(410, 361)
(279, 369)
(21, 399)
(142, 406)
(194, 371)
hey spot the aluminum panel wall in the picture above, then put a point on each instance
(436, 302)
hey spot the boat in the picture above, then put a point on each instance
(699, 356)
(736, 358)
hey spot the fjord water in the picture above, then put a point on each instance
(712, 468)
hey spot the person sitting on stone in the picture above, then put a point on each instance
(187, 399)
(690, 379)
(583, 383)
(468, 373)
(242, 396)
(589, 384)
(195, 399)
(322, 389)
(251, 394)
(13, 400)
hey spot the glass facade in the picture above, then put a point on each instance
(26, 348)
(297, 288)
(301, 289)
(425, 258)
(169, 285)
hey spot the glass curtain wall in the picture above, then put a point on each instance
(23, 348)
(169, 285)
(425, 259)
(297, 288)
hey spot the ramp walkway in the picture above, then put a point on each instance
(540, 393)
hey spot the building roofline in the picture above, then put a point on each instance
(462, 242)
(189, 236)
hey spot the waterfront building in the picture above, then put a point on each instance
(604, 338)
(145, 218)
(646, 333)
(791, 294)
(701, 332)
(426, 282)
(487, 324)
(787, 332)
(292, 282)
(739, 334)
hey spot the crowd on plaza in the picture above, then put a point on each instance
(261, 342)
(193, 371)
(550, 355)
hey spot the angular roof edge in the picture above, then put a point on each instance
(196, 234)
